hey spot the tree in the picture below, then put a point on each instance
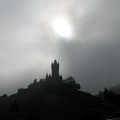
(14, 107)
(106, 93)
(71, 84)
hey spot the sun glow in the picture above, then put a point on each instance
(62, 27)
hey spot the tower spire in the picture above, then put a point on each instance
(55, 68)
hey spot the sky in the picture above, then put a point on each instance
(29, 42)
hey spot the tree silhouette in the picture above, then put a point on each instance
(71, 85)
(14, 107)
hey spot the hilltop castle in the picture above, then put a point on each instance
(53, 79)
(52, 83)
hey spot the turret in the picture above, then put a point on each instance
(55, 69)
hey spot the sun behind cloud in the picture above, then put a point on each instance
(62, 27)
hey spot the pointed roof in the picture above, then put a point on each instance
(55, 61)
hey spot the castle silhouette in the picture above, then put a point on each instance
(53, 83)
(51, 80)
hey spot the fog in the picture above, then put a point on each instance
(28, 42)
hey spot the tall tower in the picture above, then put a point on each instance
(55, 69)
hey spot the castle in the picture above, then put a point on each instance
(51, 80)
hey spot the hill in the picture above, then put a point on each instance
(54, 98)
(54, 106)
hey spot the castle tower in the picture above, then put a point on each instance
(55, 69)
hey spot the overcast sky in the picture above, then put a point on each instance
(28, 42)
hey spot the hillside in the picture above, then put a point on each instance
(54, 98)
(49, 106)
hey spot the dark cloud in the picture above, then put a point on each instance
(28, 43)
(93, 58)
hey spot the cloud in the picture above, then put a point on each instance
(28, 43)
(93, 57)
